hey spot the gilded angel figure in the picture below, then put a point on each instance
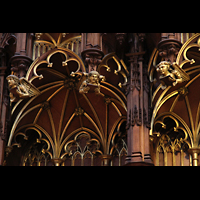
(20, 88)
(171, 74)
(92, 79)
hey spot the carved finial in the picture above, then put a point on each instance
(38, 35)
(64, 34)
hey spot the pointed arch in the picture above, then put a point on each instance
(60, 112)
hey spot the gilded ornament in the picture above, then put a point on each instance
(20, 88)
(38, 35)
(92, 80)
(171, 74)
(183, 91)
(79, 111)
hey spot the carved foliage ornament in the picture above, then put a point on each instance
(134, 117)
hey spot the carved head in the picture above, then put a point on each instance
(93, 77)
(13, 81)
(163, 68)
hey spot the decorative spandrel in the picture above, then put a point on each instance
(114, 70)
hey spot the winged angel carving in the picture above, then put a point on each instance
(171, 74)
(20, 88)
(92, 79)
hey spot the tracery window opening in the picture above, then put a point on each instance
(36, 156)
(172, 143)
(172, 152)
(80, 152)
(41, 46)
(119, 157)
(83, 152)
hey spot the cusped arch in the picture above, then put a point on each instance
(59, 111)
(163, 126)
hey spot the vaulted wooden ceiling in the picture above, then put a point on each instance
(60, 111)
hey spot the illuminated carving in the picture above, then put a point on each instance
(60, 107)
(170, 74)
(172, 141)
(20, 88)
(92, 79)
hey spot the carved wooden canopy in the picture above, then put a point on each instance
(178, 105)
(60, 116)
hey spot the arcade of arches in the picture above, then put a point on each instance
(99, 99)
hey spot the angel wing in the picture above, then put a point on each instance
(183, 74)
(31, 89)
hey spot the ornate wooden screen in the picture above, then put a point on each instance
(60, 126)
(175, 120)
